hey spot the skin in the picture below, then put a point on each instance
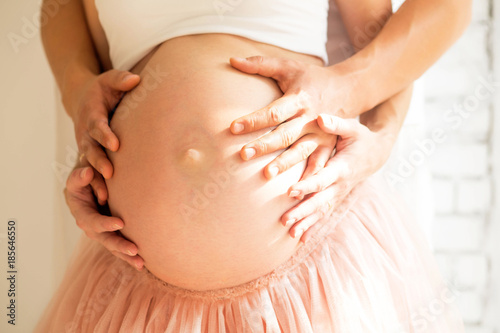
(77, 69)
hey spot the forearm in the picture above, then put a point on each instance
(68, 46)
(412, 39)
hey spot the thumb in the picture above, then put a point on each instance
(336, 125)
(119, 80)
(275, 68)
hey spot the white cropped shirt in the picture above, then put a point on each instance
(134, 27)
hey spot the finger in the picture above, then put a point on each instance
(79, 178)
(282, 137)
(275, 68)
(114, 242)
(119, 80)
(336, 125)
(89, 220)
(310, 232)
(135, 261)
(334, 170)
(316, 161)
(317, 202)
(100, 188)
(272, 115)
(298, 229)
(97, 157)
(100, 131)
(298, 152)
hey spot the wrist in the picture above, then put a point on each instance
(351, 88)
(74, 79)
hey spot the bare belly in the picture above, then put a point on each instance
(201, 217)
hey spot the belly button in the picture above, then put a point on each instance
(192, 157)
(193, 154)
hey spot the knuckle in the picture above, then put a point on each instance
(260, 146)
(275, 114)
(286, 137)
(322, 211)
(258, 59)
(251, 122)
(319, 186)
(318, 206)
(304, 100)
(304, 151)
(282, 164)
(97, 125)
(85, 146)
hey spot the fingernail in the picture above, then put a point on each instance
(238, 127)
(326, 119)
(294, 193)
(116, 226)
(298, 232)
(138, 266)
(82, 173)
(128, 76)
(249, 152)
(130, 253)
(289, 222)
(273, 171)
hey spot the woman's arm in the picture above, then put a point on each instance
(69, 48)
(87, 95)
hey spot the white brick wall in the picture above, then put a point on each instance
(460, 98)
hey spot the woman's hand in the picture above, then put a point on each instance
(84, 184)
(89, 107)
(359, 153)
(308, 90)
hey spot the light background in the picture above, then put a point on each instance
(37, 151)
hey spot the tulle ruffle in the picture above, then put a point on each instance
(368, 269)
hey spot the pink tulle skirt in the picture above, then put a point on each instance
(367, 269)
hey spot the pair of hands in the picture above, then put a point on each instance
(324, 184)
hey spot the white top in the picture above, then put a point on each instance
(134, 27)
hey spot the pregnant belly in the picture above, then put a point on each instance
(201, 217)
